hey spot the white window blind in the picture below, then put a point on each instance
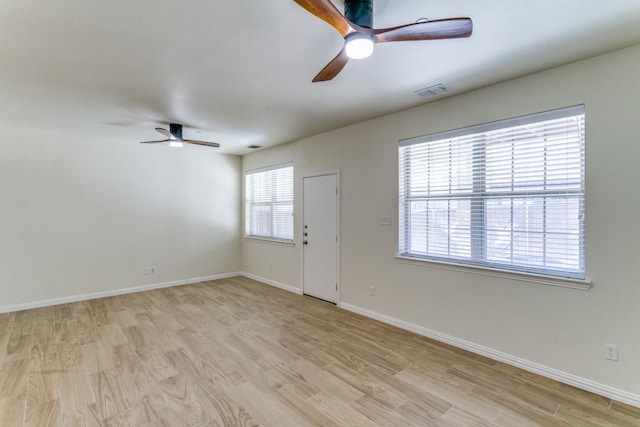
(507, 195)
(269, 203)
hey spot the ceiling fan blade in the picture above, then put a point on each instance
(430, 30)
(164, 132)
(326, 11)
(153, 142)
(207, 144)
(332, 68)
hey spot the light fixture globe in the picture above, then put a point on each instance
(176, 143)
(359, 45)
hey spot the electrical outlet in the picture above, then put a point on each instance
(372, 290)
(611, 352)
(149, 270)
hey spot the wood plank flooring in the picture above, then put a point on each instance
(235, 352)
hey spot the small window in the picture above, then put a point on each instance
(507, 195)
(269, 203)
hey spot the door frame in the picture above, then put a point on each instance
(335, 172)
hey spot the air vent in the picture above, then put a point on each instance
(254, 147)
(431, 91)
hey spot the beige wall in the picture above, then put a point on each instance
(556, 327)
(80, 216)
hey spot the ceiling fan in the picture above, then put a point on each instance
(175, 139)
(356, 27)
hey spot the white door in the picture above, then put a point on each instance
(320, 237)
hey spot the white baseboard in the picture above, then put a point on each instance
(115, 292)
(555, 374)
(272, 283)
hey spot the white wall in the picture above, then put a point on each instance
(555, 327)
(80, 216)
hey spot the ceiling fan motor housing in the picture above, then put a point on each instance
(176, 130)
(360, 12)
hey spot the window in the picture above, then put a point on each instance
(269, 203)
(507, 195)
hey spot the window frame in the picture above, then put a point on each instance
(477, 260)
(272, 203)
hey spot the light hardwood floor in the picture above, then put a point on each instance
(237, 352)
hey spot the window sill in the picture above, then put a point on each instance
(583, 285)
(271, 241)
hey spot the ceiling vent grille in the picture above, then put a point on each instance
(431, 91)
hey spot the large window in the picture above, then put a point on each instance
(507, 195)
(269, 203)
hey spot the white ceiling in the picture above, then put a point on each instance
(239, 72)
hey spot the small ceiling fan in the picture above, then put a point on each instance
(175, 139)
(356, 26)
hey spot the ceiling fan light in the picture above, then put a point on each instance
(359, 45)
(176, 143)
